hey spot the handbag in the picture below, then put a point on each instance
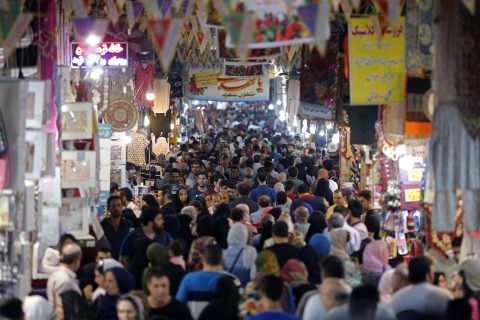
(232, 268)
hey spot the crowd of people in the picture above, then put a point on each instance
(246, 224)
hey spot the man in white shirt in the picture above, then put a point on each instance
(65, 275)
(355, 218)
(337, 220)
(421, 296)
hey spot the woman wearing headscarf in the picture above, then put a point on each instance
(266, 264)
(149, 200)
(239, 258)
(37, 308)
(267, 227)
(205, 237)
(185, 233)
(317, 224)
(295, 274)
(71, 306)
(338, 241)
(224, 303)
(118, 281)
(375, 262)
(468, 307)
(130, 307)
(181, 199)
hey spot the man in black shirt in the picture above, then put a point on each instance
(159, 300)
(372, 217)
(243, 190)
(115, 227)
(282, 249)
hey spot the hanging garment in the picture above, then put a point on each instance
(162, 96)
(136, 149)
(144, 82)
(293, 104)
(160, 146)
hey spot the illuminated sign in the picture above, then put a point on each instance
(106, 54)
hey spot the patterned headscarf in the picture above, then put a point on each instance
(294, 271)
(267, 264)
(338, 241)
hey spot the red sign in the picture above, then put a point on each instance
(107, 54)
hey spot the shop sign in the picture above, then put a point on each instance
(231, 89)
(413, 195)
(415, 175)
(205, 79)
(377, 63)
(106, 54)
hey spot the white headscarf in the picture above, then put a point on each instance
(37, 308)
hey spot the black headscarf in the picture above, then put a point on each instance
(176, 200)
(150, 200)
(172, 225)
(224, 302)
(185, 232)
(205, 226)
(317, 224)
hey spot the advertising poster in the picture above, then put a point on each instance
(377, 63)
(229, 88)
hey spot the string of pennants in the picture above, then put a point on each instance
(208, 32)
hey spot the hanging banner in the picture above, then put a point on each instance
(229, 53)
(274, 26)
(377, 70)
(165, 35)
(241, 69)
(230, 89)
(134, 8)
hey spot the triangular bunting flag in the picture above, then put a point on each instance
(114, 10)
(81, 7)
(151, 9)
(308, 14)
(83, 27)
(134, 8)
(356, 4)
(470, 5)
(335, 4)
(222, 6)
(347, 8)
(16, 32)
(165, 34)
(322, 29)
(165, 8)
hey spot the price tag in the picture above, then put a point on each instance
(413, 195)
(415, 175)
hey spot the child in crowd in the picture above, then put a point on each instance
(175, 251)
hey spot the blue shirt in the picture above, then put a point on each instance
(196, 290)
(261, 191)
(272, 315)
(127, 249)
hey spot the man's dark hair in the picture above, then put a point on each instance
(243, 189)
(164, 189)
(366, 194)
(113, 187)
(202, 174)
(199, 163)
(155, 272)
(332, 267)
(342, 210)
(235, 168)
(113, 198)
(105, 248)
(280, 229)
(268, 166)
(224, 183)
(418, 269)
(289, 185)
(149, 214)
(11, 309)
(175, 170)
(257, 158)
(237, 214)
(231, 185)
(355, 208)
(303, 188)
(281, 198)
(213, 254)
(292, 172)
(363, 302)
(272, 287)
(197, 204)
(261, 175)
(127, 193)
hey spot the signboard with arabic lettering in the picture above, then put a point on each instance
(106, 54)
(231, 88)
(377, 63)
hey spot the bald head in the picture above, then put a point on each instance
(71, 256)
(333, 293)
(323, 174)
(244, 208)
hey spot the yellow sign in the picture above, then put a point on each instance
(205, 79)
(377, 64)
(415, 175)
(413, 195)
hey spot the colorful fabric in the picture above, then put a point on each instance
(294, 271)
(194, 261)
(136, 149)
(267, 264)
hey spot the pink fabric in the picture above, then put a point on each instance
(375, 256)
(178, 261)
(474, 305)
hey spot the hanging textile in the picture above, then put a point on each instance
(136, 149)
(161, 104)
(419, 34)
(160, 146)
(143, 82)
(293, 96)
